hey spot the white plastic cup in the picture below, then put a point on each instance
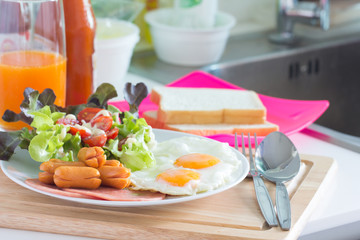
(114, 45)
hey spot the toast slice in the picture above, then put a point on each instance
(208, 106)
(211, 129)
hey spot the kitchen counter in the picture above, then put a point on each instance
(337, 216)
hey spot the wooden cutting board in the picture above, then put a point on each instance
(233, 214)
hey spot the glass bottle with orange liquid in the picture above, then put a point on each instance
(32, 52)
(80, 34)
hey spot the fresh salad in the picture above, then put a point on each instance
(60, 133)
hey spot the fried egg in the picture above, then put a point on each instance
(188, 165)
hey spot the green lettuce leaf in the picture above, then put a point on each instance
(51, 137)
(113, 109)
(42, 122)
(56, 116)
(26, 137)
(71, 147)
(8, 142)
(111, 149)
(41, 147)
(44, 119)
(131, 124)
(48, 144)
(136, 154)
(102, 94)
(137, 159)
(33, 101)
(134, 94)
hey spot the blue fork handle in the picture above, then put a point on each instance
(265, 202)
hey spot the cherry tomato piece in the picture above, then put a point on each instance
(87, 114)
(67, 121)
(102, 122)
(82, 132)
(96, 141)
(112, 133)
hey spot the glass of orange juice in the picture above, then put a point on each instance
(32, 52)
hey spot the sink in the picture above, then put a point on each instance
(326, 72)
(323, 66)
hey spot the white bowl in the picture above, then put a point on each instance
(187, 46)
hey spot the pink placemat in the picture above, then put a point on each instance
(291, 115)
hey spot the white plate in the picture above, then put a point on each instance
(21, 167)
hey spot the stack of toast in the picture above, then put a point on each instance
(209, 111)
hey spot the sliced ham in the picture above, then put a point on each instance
(35, 183)
(102, 193)
(113, 194)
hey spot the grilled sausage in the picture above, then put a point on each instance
(115, 176)
(114, 163)
(92, 156)
(46, 177)
(52, 164)
(77, 177)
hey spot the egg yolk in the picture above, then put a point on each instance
(178, 177)
(196, 161)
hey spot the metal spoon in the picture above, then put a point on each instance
(278, 161)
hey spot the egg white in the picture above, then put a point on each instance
(210, 178)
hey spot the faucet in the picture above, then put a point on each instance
(292, 11)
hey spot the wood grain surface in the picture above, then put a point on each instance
(233, 214)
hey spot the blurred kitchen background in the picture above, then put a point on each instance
(256, 15)
(318, 65)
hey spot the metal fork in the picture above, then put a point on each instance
(262, 194)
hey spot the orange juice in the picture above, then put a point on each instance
(35, 69)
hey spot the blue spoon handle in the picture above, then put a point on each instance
(283, 206)
(264, 200)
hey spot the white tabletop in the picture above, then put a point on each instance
(339, 208)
